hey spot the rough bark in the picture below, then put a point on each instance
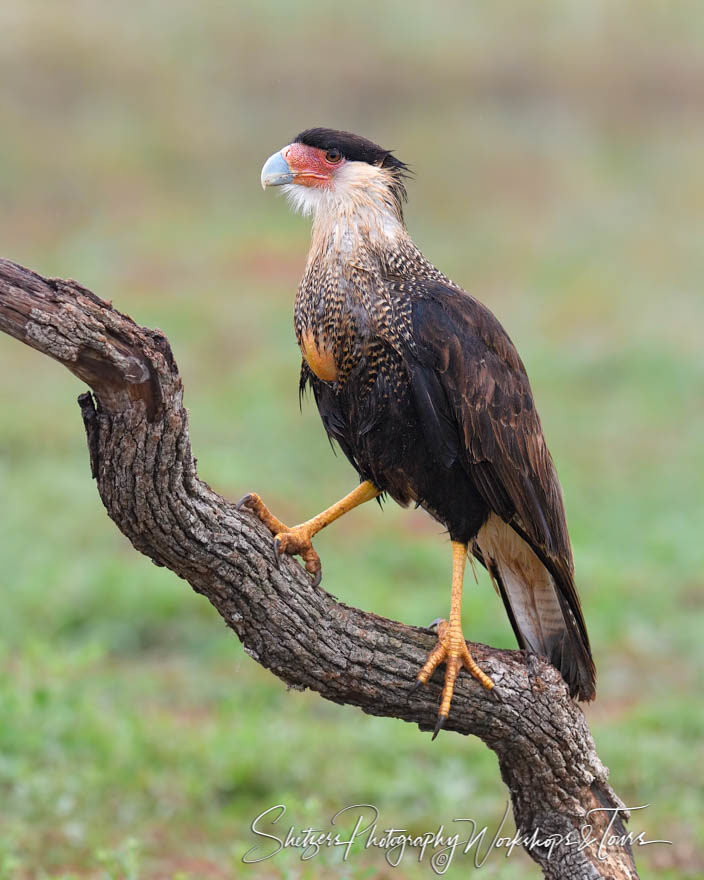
(140, 456)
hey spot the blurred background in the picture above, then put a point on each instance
(558, 157)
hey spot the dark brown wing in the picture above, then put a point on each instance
(470, 382)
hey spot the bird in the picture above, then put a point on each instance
(422, 389)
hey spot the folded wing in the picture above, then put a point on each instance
(476, 405)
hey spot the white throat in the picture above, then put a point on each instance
(358, 210)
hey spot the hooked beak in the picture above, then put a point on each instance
(276, 171)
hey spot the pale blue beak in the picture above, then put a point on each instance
(276, 171)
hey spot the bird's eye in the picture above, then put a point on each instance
(333, 156)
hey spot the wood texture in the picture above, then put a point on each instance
(140, 456)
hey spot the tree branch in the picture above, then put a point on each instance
(141, 457)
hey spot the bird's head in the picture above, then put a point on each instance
(330, 172)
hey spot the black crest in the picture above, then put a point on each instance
(357, 149)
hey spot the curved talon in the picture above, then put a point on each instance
(438, 726)
(243, 501)
(278, 552)
(495, 694)
(312, 562)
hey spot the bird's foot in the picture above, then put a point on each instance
(296, 541)
(293, 540)
(451, 649)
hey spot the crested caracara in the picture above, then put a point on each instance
(423, 390)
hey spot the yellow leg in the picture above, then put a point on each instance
(451, 647)
(296, 540)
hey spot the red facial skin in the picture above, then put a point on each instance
(309, 165)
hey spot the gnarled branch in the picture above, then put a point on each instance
(141, 457)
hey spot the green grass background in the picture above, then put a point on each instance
(558, 151)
